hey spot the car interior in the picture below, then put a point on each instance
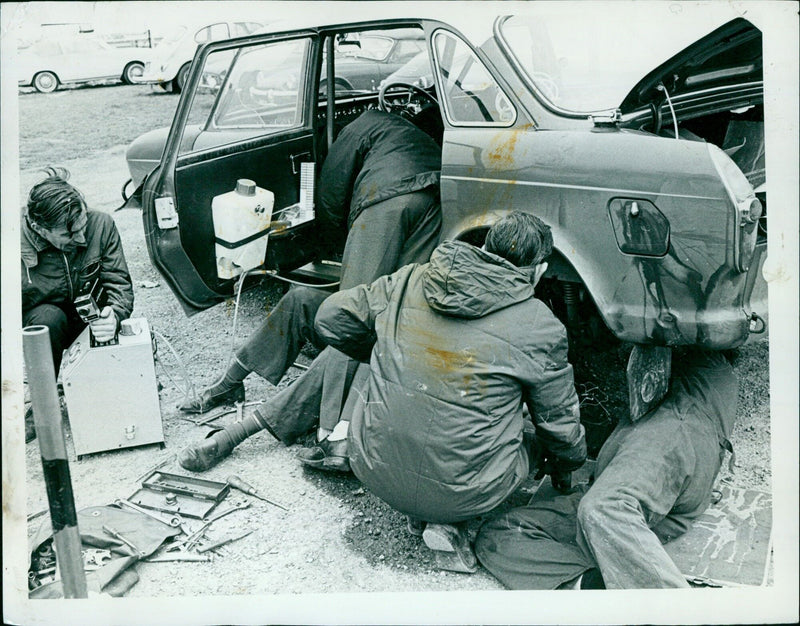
(253, 126)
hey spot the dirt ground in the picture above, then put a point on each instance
(335, 536)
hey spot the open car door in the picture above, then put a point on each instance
(247, 112)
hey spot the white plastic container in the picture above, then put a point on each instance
(241, 227)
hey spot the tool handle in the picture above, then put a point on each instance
(237, 483)
(222, 542)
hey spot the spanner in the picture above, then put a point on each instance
(173, 521)
(235, 507)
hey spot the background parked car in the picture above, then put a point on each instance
(173, 55)
(49, 63)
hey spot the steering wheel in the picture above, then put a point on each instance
(385, 105)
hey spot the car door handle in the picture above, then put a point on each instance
(297, 159)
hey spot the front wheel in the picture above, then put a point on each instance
(133, 72)
(45, 82)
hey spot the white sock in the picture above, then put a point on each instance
(339, 431)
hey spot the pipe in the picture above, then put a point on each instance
(50, 434)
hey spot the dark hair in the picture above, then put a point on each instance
(521, 238)
(54, 200)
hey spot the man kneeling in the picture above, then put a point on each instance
(455, 348)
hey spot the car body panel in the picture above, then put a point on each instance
(679, 274)
(76, 59)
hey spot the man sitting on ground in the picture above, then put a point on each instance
(66, 249)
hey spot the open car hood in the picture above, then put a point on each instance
(731, 54)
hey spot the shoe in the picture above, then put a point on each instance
(326, 455)
(415, 526)
(451, 548)
(30, 429)
(205, 454)
(213, 396)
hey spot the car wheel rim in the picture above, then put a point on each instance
(46, 82)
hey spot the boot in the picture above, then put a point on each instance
(451, 547)
(326, 455)
(205, 454)
(217, 445)
(226, 390)
(216, 395)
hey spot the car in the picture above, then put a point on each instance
(49, 63)
(652, 180)
(173, 54)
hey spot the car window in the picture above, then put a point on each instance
(364, 59)
(407, 49)
(369, 47)
(258, 91)
(471, 95)
(212, 33)
(240, 29)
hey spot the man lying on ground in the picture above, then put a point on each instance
(653, 477)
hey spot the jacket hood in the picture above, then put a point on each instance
(462, 280)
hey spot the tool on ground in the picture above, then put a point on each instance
(223, 542)
(236, 507)
(239, 406)
(174, 521)
(95, 558)
(163, 558)
(177, 494)
(205, 420)
(237, 483)
(117, 535)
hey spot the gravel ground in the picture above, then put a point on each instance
(335, 537)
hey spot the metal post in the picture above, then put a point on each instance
(50, 434)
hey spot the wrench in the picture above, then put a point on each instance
(235, 507)
(173, 521)
(121, 538)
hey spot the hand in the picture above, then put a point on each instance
(560, 479)
(104, 328)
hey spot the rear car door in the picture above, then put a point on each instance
(257, 125)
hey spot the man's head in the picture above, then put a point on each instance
(524, 240)
(56, 211)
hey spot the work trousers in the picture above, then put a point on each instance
(64, 325)
(383, 238)
(654, 477)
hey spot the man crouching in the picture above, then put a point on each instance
(456, 347)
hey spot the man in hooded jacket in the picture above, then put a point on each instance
(456, 347)
(653, 477)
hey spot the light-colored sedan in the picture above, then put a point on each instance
(49, 63)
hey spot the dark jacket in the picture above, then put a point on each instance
(376, 157)
(50, 276)
(460, 344)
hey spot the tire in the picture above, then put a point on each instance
(132, 71)
(45, 82)
(180, 78)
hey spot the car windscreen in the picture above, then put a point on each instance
(580, 67)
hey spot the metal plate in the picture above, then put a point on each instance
(184, 505)
(186, 485)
